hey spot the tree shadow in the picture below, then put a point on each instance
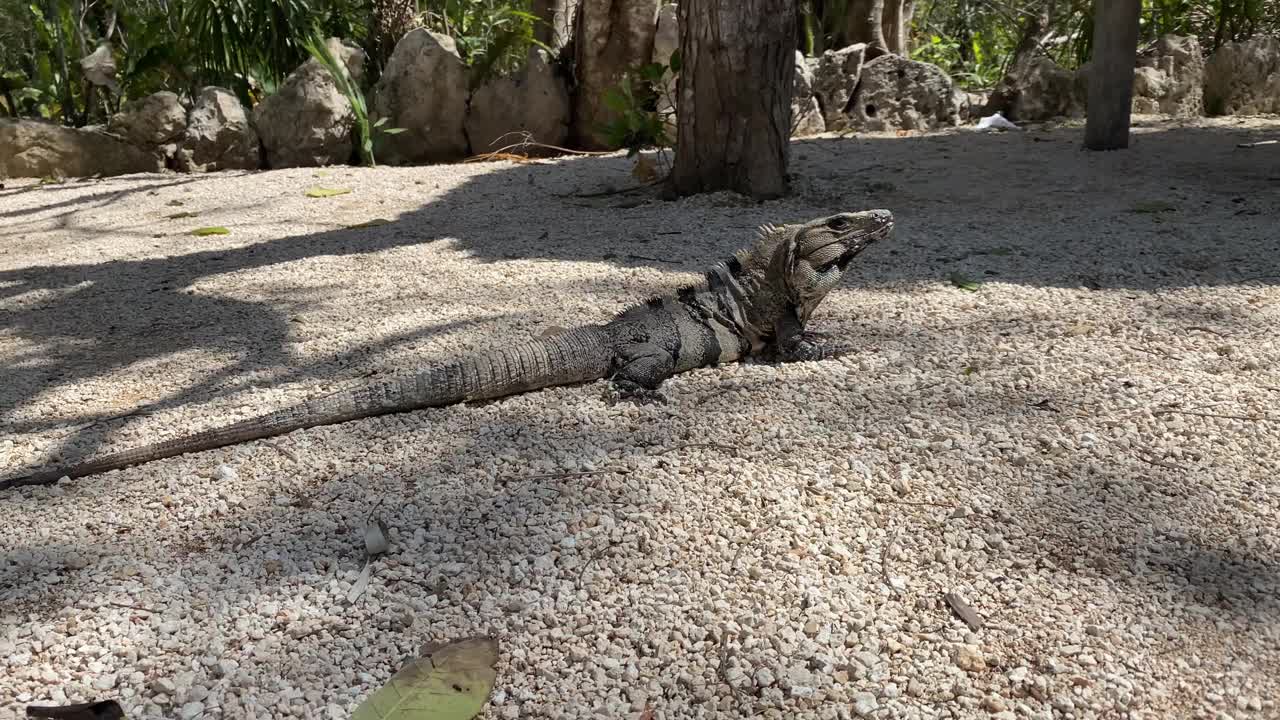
(1013, 208)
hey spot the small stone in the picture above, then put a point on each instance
(169, 627)
(191, 710)
(901, 485)
(994, 703)
(811, 628)
(226, 473)
(105, 682)
(864, 704)
(765, 678)
(969, 658)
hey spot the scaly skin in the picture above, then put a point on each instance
(756, 303)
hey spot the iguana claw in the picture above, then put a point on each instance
(625, 391)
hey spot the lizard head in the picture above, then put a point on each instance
(815, 259)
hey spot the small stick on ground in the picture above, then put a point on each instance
(127, 606)
(1157, 462)
(1224, 416)
(922, 503)
(581, 473)
(282, 451)
(754, 537)
(686, 446)
(724, 662)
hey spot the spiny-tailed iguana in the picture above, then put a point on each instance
(755, 303)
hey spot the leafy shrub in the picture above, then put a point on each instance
(493, 36)
(638, 124)
(316, 46)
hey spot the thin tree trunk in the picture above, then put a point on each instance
(963, 33)
(734, 96)
(864, 23)
(1115, 45)
(556, 26)
(1028, 48)
(897, 25)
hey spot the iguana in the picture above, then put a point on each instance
(755, 303)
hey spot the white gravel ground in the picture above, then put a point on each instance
(1086, 449)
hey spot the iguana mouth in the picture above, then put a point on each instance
(862, 242)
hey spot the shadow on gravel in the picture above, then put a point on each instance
(1012, 208)
(1146, 219)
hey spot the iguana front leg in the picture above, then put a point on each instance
(641, 368)
(795, 344)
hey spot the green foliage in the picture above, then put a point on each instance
(638, 124)
(241, 40)
(446, 682)
(316, 46)
(492, 36)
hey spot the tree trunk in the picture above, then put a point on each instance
(1028, 48)
(864, 23)
(1115, 47)
(964, 33)
(897, 25)
(734, 96)
(610, 39)
(556, 22)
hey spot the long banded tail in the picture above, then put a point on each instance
(578, 355)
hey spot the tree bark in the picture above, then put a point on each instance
(864, 23)
(897, 25)
(556, 26)
(610, 39)
(1115, 46)
(734, 96)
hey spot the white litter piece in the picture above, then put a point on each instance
(996, 122)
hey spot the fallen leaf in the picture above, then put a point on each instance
(180, 215)
(361, 583)
(964, 611)
(964, 283)
(320, 192)
(448, 682)
(375, 537)
(214, 230)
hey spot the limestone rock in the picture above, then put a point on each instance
(1243, 78)
(1168, 79)
(424, 89)
(613, 37)
(308, 122)
(1041, 91)
(219, 135)
(533, 100)
(835, 77)
(35, 148)
(155, 119)
(806, 113)
(969, 105)
(895, 93)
